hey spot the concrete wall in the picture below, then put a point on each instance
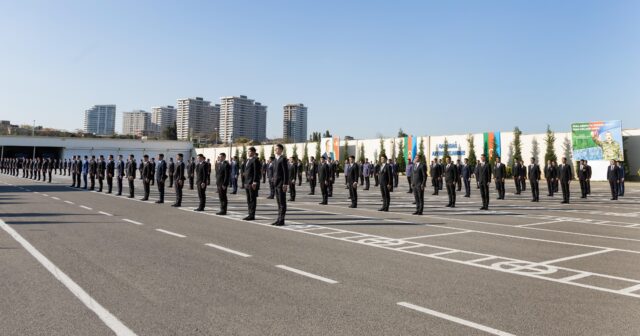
(97, 146)
(372, 148)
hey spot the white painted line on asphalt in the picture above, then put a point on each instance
(86, 207)
(575, 277)
(131, 221)
(575, 257)
(45, 195)
(307, 274)
(481, 259)
(105, 213)
(455, 319)
(541, 223)
(109, 319)
(437, 235)
(171, 233)
(222, 248)
(55, 198)
(631, 289)
(443, 253)
(69, 202)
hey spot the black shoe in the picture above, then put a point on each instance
(448, 205)
(453, 205)
(270, 197)
(198, 209)
(353, 206)
(381, 209)
(249, 218)
(119, 194)
(415, 213)
(176, 205)
(413, 202)
(322, 203)
(278, 223)
(291, 200)
(144, 199)
(221, 213)
(129, 196)
(159, 202)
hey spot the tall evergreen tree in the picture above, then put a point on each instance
(445, 150)
(305, 155)
(421, 151)
(567, 152)
(517, 145)
(318, 150)
(273, 151)
(295, 151)
(382, 151)
(492, 159)
(361, 155)
(550, 141)
(244, 152)
(344, 155)
(511, 159)
(472, 151)
(535, 149)
(402, 164)
(237, 152)
(261, 153)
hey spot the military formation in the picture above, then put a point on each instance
(282, 174)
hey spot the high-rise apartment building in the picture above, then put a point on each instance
(294, 126)
(137, 122)
(241, 117)
(196, 117)
(163, 117)
(100, 120)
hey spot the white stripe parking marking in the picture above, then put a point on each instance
(540, 223)
(86, 207)
(69, 202)
(455, 319)
(631, 289)
(171, 233)
(45, 195)
(575, 257)
(55, 198)
(105, 213)
(109, 319)
(437, 235)
(132, 221)
(222, 248)
(307, 274)
(576, 276)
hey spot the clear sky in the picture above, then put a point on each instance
(364, 68)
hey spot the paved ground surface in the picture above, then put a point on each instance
(522, 268)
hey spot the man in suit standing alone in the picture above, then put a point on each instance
(566, 175)
(500, 173)
(534, 180)
(202, 178)
(251, 175)
(450, 178)
(223, 176)
(418, 181)
(280, 183)
(483, 176)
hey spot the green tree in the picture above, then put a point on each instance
(472, 151)
(535, 149)
(511, 156)
(327, 134)
(318, 151)
(492, 159)
(402, 162)
(273, 151)
(284, 151)
(361, 153)
(421, 151)
(244, 152)
(517, 145)
(445, 151)
(344, 155)
(305, 155)
(382, 150)
(237, 152)
(295, 151)
(393, 149)
(170, 132)
(401, 133)
(262, 153)
(550, 140)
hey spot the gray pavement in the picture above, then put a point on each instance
(521, 268)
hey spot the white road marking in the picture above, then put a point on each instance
(69, 202)
(109, 319)
(132, 221)
(55, 198)
(307, 274)
(86, 207)
(105, 213)
(576, 276)
(575, 257)
(45, 195)
(222, 248)
(437, 235)
(541, 223)
(631, 289)
(455, 319)
(171, 233)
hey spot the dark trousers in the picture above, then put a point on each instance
(386, 196)
(49, 176)
(312, 185)
(131, 190)
(434, 182)
(178, 187)
(484, 193)
(161, 190)
(583, 188)
(222, 194)
(535, 190)
(418, 194)
(330, 188)
(451, 191)
(367, 183)
(190, 182)
(100, 183)
(324, 189)
(146, 184)
(110, 184)
(500, 188)
(92, 178)
(523, 184)
(170, 179)
(613, 184)
(272, 189)
(565, 190)
(353, 194)
(252, 200)
(84, 179)
(299, 179)
(119, 181)
(202, 196)
(410, 186)
(550, 187)
(395, 180)
(281, 199)
(376, 178)
(467, 187)
(621, 188)
(588, 187)
(292, 190)
(234, 184)
(516, 181)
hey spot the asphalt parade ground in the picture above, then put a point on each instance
(75, 262)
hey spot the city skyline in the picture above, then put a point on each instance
(435, 67)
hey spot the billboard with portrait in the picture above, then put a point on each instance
(597, 140)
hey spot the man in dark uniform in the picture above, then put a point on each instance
(367, 170)
(178, 177)
(436, 175)
(85, 171)
(191, 167)
(131, 173)
(312, 175)
(534, 180)
(110, 170)
(465, 171)
(450, 178)
(588, 177)
(582, 178)
(146, 177)
(152, 163)
(440, 180)
(556, 181)
(268, 168)
(483, 176)
(202, 178)
(93, 171)
(120, 174)
(324, 172)
(45, 168)
(223, 176)
(566, 175)
(500, 174)
(281, 180)
(102, 166)
(386, 182)
(418, 181)
(621, 182)
(549, 175)
(171, 168)
(333, 166)
(293, 175)
(251, 176)
(161, 176)
(613, 176)
(515, 171)
(523, 176)
(235, 171)
(299, 169)
(408, 171)
(459, 179)
(376, 174)
(352, 181)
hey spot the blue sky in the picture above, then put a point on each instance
(364, 68)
